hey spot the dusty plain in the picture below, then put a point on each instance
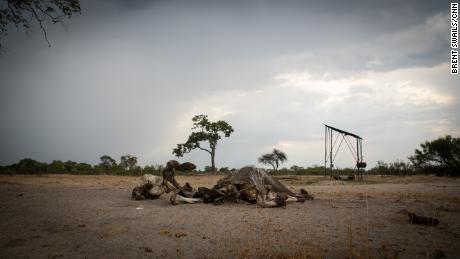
(69, 216)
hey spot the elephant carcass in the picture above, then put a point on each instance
(207, 195)
(228, 192)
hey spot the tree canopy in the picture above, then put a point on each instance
(206, 131)
(440, 156)
(275, 158)
(30, 166)
(128, 162)
(107, 166)
(24, 13)
(107, 162)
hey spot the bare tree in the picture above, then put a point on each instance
(24, 13)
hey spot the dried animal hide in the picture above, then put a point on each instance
(217, 197)
(169, 172)
(150, 188)
(187, 166)
(262, 182)
(250, 184)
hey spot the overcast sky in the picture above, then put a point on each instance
(126, 77)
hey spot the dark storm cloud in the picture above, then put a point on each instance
(126, 77)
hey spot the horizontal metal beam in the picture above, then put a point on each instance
(343, 132)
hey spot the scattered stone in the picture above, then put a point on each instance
(148, 250)
(180, 234)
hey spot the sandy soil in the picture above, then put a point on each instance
(93, 216)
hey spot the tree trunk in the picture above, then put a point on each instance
(213, 154)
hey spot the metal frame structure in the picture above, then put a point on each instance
(330, 147)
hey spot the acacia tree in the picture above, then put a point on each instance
(206, 131)
(441, 156)
(275, 158)
(23, 13)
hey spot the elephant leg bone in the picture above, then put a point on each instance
(291, 199)
(178, 199)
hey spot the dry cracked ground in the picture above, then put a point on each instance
(53, 216)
